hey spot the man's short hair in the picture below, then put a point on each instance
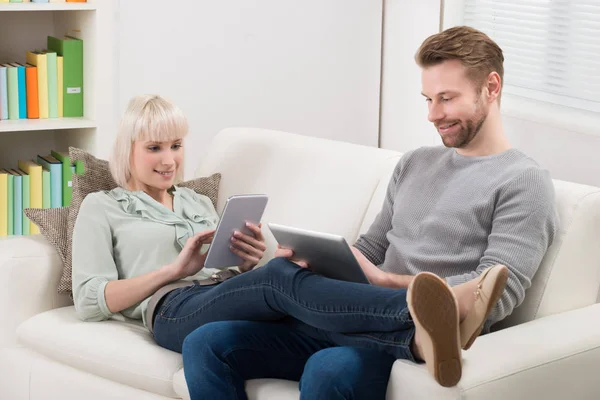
(473, 48)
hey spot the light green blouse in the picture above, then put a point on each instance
(120, 234)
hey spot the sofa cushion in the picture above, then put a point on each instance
(255, 388)
(56, 224)
(119, 350)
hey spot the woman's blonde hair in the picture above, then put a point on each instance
(148, 118)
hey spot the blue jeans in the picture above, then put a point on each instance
(325, 312)
(220, 356)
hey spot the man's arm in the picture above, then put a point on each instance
(523, 227)
(374, 243)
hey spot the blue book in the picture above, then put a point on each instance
(22, 90)
(17, 202)
(39, 1)
(11, 204)
(55, 168)
(3, 93)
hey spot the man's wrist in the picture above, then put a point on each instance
(394, 281)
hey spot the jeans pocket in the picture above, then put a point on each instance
(173, 298)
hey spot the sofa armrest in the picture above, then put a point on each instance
(30, 270)
(555, 357)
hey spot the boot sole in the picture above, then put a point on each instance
(434, 311)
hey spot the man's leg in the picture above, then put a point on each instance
(220, 356)
(282, 289)
(339, 373)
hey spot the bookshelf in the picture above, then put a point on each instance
(25, 26)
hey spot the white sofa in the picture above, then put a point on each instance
(549, 349)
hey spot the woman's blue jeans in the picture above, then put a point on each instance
(322, 312)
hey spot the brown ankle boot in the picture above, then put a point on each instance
(491, 286)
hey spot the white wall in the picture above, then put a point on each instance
(404, 123)
(310, 67)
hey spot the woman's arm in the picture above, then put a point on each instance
(97, 290)
(124, 293)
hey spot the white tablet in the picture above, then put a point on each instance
(238, 210)
(325, 253)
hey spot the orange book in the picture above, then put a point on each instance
(31, 83)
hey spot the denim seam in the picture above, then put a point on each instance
(398, 317)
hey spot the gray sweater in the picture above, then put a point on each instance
(455, 216)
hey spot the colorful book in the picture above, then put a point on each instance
(55, 167)
(34, 170)
(17, 202)
(40, 61)
(3, 93)
(22, 90)
(26, 202)
(71, 49)
(67, 176)
(11, 204)
(45, 188)
(31, 86)
(52, 83)
(3, 203)
(12, 82)
(60, 71)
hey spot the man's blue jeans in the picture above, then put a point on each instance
(325, 312)
(220, 356)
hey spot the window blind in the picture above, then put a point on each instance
(551, 47)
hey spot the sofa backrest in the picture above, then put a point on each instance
(339, 188)
(312, 183)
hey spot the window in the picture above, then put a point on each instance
(551, 47)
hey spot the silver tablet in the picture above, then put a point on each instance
(238, 210)
(325, 253)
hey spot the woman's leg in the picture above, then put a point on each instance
(281, 289)
(220, 356)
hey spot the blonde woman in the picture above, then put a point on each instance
(137, 251)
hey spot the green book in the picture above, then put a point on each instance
(46, 188)
(12, 80)
(67, 176)
(71, 49)
(52, 84)
(11, 204)
(26, 202)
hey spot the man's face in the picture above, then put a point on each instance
(456, 107)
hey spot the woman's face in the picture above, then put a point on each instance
(154, 165)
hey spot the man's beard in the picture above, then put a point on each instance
(468, 130)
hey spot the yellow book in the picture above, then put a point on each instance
(59, 68)
(39, 60)
(34, 170)
(3, 203)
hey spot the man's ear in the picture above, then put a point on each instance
(493, 86)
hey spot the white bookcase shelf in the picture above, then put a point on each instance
(46, 6)
(25, 26)
(23, 125)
